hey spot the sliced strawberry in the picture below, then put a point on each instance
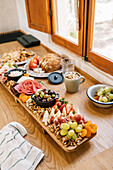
(64, 105)
(56, 110)
(73, 111)
(69, 107)
(52, 119)
(58, 104)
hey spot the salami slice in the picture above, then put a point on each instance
(28, 87)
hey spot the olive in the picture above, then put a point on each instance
(39, 92)
(50, 91)
(48, 100)
(43, 100)
(46, 96)
(36, 94)
(38, 98)
(44, 90)
(53, 95)
(42, 95)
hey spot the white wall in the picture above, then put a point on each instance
(8, 16)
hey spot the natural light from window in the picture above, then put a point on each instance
(67, 20)
(103, 28)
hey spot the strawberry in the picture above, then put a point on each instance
(52, 119)
(56, 110)
(58, 104)
(64, 105)
(73, 111)
(69, 107)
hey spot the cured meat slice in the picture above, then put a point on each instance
(28, 87)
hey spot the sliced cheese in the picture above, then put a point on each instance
(64, 112)
(58, 114)
(52, 113)
(71, 113)
(45, 117)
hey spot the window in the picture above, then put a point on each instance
(67, 24)
(82, 26)
(100, 34)
(67, 20)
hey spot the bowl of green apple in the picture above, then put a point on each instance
(101, 95)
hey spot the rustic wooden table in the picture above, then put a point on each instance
(55, 157)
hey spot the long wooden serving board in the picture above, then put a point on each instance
(67, 149)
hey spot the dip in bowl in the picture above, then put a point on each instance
(15, 74)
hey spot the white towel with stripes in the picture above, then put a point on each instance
(15, 152)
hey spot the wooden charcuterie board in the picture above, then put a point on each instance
(67, 149)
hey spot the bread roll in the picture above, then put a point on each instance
(50, 62)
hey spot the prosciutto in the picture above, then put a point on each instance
(28, 87)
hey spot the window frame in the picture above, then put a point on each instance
(78, 49)
(98, 60)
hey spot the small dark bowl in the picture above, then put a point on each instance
(16, 77)
(45, 104)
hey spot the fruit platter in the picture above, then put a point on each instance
(41, 67)
(61, 120)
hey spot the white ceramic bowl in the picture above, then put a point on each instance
(91, 92)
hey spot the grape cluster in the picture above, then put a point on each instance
(104, 94)
(70, 130)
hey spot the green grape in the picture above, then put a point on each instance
(63, 132)
(108, 93)
(80, 126)
(78, 129)
(64, 126)
(69, 137)
(74, 136)
(111, 96)
(69, 123)
(100, 98)
(71, 132)
(102, 90)
(74, 125)
(104, 99)
(107, 89)
(99, 93)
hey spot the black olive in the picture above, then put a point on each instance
(46, 91)
(50, 92)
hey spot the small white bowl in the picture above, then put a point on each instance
(91, 92)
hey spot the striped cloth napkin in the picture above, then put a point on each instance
(15, 152)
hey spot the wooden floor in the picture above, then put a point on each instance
(55, 157)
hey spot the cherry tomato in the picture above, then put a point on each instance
(32, 65)
(34, 61)
(37, 57)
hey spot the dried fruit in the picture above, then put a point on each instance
(83, 133)
(93, 128)
(88, 123)
(88, 128)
